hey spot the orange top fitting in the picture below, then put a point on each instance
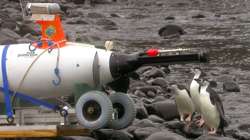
(52, 30)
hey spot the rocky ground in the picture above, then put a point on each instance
(218, 26)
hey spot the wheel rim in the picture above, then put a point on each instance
(91, 110)
(120, 109)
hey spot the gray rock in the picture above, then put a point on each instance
(9, 34)
(164, 135)
(156, 119)
(241, 135)
(9, 25)
(141, 111)
(175, 124)
(27, 28)
(244, 127)
(166, 110)
(105, 22)
(231, 87)
(213, 137)
(109, 27)
(151, 94)
(192, 130)
(159, 98)
(144, 69)
(105, 134)
(169, 30)
(155, 72)
(6, 40)
(145, 132)
(73, 21)
(146, 89)
(225, 78)
(133, 87)
(95, 15)
(145, 100)
(140, 93)
(24, 40)
(4, 15)
(159, 81)
(144, 123)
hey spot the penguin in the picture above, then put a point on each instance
(194, 91)
(183, 100)
(211, 107)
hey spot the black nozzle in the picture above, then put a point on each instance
(122, 64)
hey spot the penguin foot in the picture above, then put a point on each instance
(188, 119)
(200, 122)
(213, 131)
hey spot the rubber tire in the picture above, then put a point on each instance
(129, 107)
(106, 107)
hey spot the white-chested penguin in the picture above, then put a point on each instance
(183, 100)
(211, 107)
(194, 91)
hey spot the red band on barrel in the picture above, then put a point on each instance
(152, 52)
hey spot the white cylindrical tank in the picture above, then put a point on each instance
(75, 66)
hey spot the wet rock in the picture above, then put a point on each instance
(131, 129)
(213, 83)
(141, 111)
(82, 21)
(175, 124)
(4, 15)
(199, 16)
(134, 75)
(156, 119)
(164, 109)
(25, 29)
(145, 100)
(114, 15)
(159, 81)
(103, 1)
(151, 94)
(165, 135)
(105, 134)
(105, 22)
(79, 1)
(24, 40)
(6, 40)
(231, 87)
(244, 127)
(73, 21)
(109, 27)
(166, 70)
(17, 17)
(146, 89)
(241, 135)
(144, 123)
(170, 18)
(74, 14)
(144, 69)
(11, 11)
(225, 78)
(9, 34)
(217, 15)
(213, 137)
(140, 93)
(95, 15)
(9, 25)
(192, 130)
(145, 132)
(159, 98)
(230, 132)
(169, 30)
(133, 87)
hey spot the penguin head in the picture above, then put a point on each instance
(198, 71)
(202, 81)
(173, 86)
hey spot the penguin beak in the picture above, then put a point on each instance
(191, 70)
(198, 80)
